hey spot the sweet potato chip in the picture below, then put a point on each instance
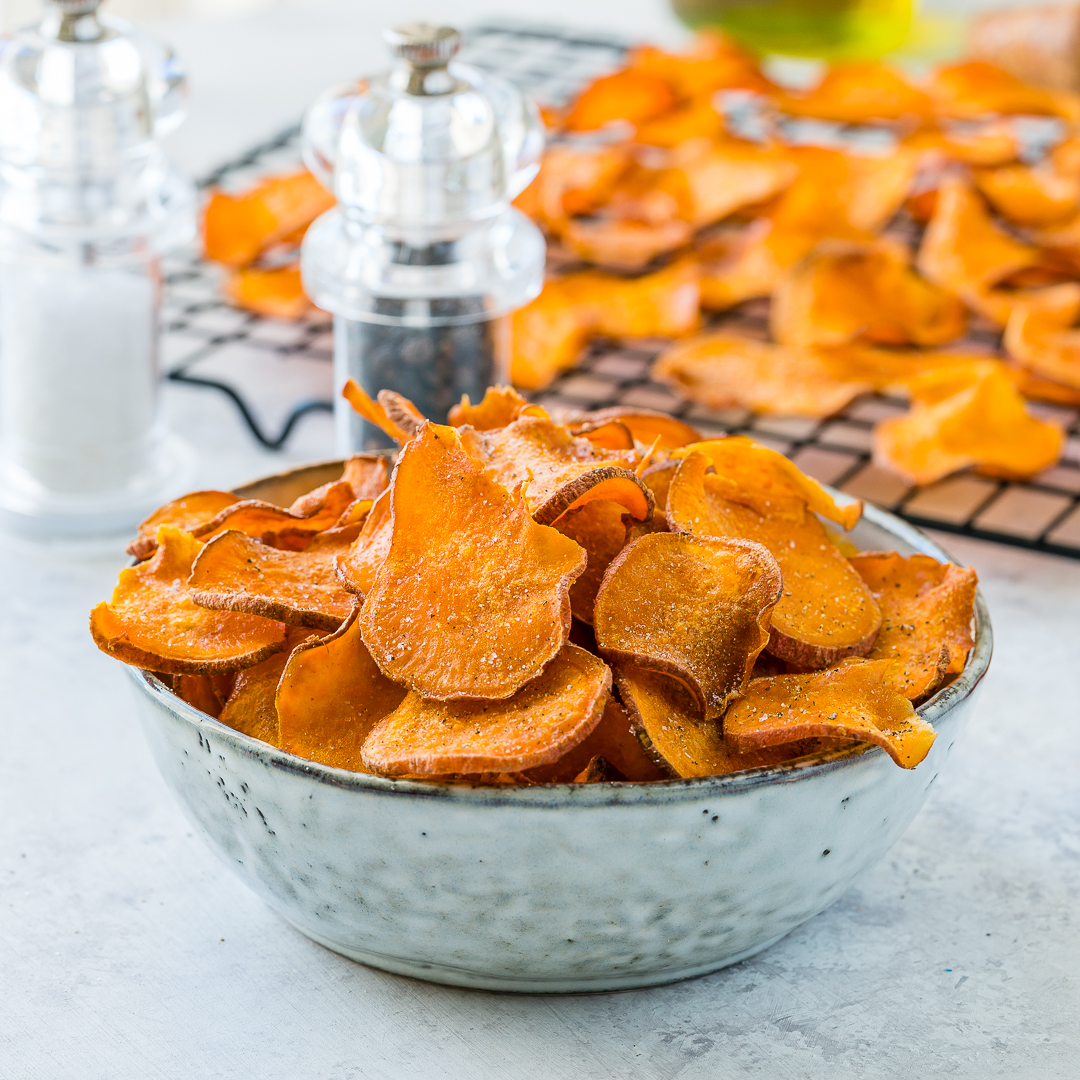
(187, 513)
(292, 529)
(401, 412)
(548, 336)
(573, 180)
(696, 119)
(723, 369)
(367, 474)
(1041, 333)
(275, 293)
(237, 229)
(600, 529)
(203, 691)
(152, 622)
(842, 291)
(537, 725)
(985, 424)
(856, 700)
(372, 411)
(965, 252)
(477, 609)
(633, 95)
(250, 708)
(768, 482)
(646, 425)
(856, 93)
(694, 607)
(825, 612)
(502, 405)
(358, 566)
(714, 62)
(560, 471)
(1034, 195)
(236, 573)
(330, 696)
(599, 771)
(974, 88)
(624, 245)
(658, 480)
(669, 725)
(926, 609)
(614, 740)
(606, 435)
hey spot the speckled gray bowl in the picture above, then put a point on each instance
(557, 888)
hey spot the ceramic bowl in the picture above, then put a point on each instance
(554, 888)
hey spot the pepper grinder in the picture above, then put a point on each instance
(423, 258)
(88, 204)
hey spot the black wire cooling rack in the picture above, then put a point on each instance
(277, 372)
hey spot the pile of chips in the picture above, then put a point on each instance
(522, 600)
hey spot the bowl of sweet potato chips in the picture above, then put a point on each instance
(545, 703)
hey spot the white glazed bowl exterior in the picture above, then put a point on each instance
(555, 888)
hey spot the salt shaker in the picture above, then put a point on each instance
(423, 258)
(88, 204)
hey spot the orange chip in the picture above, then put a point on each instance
(186, 513)
(1032, 195)
(276, 293)
(276, 527)
(856, 700)
(502, 405)
(965, 252)
(974, 88)
(768, 482)
(401, 412)
(358, 566)
(573, 180)
(646, 425)
(236, 573)
(475, 609)
(843, 291)
(825, 612)
(723, 370)
(606, 435)
(372, 411)
(633, 95)
(537, 725)
(926, 609)
(548, 336)
(624, 245)
(355, 513)
(714, 62)
(668, 722)
(250, 708)
(694, 607)
(330, 696)
(696, 119)
(984, 424)
(208, 693)
(560, 471)
(658, 480)
(237, 229)
(367, 474)
(857, 93)
(600, 529)
(612, 739)
(1041, 335)
(152, 622)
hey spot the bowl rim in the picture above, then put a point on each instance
(655, 792)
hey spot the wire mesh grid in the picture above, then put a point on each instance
(277, 372)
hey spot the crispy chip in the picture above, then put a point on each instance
(537, 725)
(766, 481)
(633, 95)
(927, 608)
(548, 336)
(856, 93)
(606, 434)
(646, 425)
(292, 528)
(722, 370)
(401, 412)
(624, 245)
(658, 480)
(694, 607)
(614, 740)
(696, 119)
(367, 474)
(1040, 333)
(186, 513)
(236, 573)
(668, 722)
(825, 612)
(208, 693)
(974, 88)
(560, 471)
(573, 180)
(714, 62)
(1032, 195)
(502, 405)
(856, 700)
(985, 424)
(965, 252)
(358, 566)
(330, 696)
(372, 411)
(600, 529)
(842, 291)
(250, 708)
(276, 293)
(152, 622)
(475, 608)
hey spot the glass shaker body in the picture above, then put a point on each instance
(424, 258)
(88, 204)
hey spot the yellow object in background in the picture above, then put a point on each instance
(830, 29)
